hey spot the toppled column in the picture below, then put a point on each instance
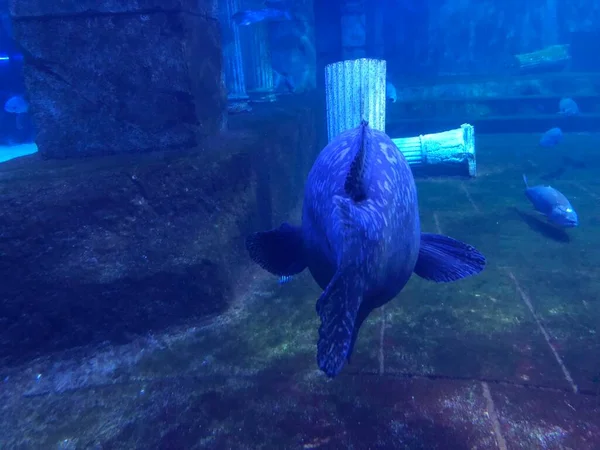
(116, 77)
(355, 90)
(452, 148)
(233, 64)
(551, 58)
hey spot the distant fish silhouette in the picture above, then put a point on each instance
(568, 107)
(551, 137)
(16, 105)
(360, 238)
(552, 204)
(19, 106)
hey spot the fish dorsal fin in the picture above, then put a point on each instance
(355, 185)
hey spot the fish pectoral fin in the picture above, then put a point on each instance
(337, 307)
(279, 251)
(443, 259)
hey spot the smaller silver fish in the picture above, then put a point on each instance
(552, 204)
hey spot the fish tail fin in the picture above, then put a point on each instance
(525, 180)
(338, 308)
(279, 251)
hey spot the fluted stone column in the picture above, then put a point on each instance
(258, 66)
(355, 90)
(233, 64)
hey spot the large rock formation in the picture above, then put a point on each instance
(105, 248)
(120, 76)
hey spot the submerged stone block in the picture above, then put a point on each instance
(120, 77)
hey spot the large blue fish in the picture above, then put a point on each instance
(360, 238)
(553, 204)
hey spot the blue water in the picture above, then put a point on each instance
(134, 315)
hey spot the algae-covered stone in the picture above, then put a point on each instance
(120, 77)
